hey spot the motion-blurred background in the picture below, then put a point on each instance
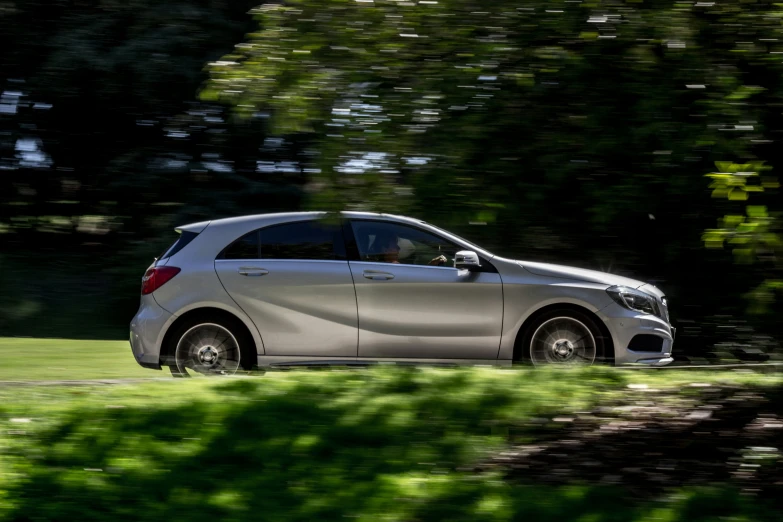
(640, 138)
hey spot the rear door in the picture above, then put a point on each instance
(294, 282)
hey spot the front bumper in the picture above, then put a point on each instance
(624, 325)
(145, 330)
(655, 361)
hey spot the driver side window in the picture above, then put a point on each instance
(386, 242)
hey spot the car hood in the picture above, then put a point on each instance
(578, 274)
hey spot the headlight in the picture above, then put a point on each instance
(665, 309)
(634, 300)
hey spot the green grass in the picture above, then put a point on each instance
(65, 359)
(391, 444)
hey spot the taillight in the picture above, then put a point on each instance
(156, 277)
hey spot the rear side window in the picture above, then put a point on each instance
(311, 240)
(182, 241)
(303, 240)
(246, 247)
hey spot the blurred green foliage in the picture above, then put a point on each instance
(572, 131)
(754, 237)
(489, 111)
(383, 444)
(104, 149)
(555, 131)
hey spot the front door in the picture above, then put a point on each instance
(294, 282)
(414, 304)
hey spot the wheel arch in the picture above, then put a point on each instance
(533, 317)
(206, 314)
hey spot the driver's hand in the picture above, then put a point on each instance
(440, 260)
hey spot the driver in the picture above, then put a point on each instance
(387, 243)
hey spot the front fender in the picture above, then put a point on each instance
(523, 300)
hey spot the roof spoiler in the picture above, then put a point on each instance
(196, 228)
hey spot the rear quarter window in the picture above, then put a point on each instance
(182, 241)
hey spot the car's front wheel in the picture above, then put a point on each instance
(207, 347)
(564, 337)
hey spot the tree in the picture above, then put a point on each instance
(491, 109)
(104, 149)
(105, 92)
(753, 236)
(577, 132)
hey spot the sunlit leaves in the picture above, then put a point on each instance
(754, 236)
(732, 181)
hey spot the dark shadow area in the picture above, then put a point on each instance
(58, 293)
(649, 444)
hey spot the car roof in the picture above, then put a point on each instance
(283, 217)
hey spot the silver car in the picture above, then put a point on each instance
(314, 288)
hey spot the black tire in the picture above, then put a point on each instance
(236, 334)
(177, 373)
(560, 348)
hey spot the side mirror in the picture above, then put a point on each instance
(466, 260)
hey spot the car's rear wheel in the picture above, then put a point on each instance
(564, 337)
(207, 347)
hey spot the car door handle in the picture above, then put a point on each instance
(377, 275)
(252, 271)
